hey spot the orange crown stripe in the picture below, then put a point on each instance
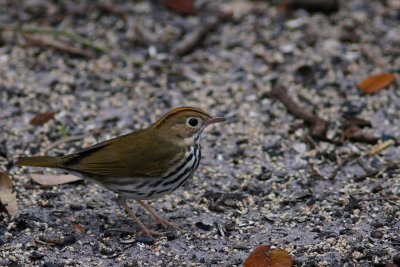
(175, 111)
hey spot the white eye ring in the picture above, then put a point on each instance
(193, 122)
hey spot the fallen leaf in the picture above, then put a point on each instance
(8, 199)
(78, 229)
(53, 179)
(280, 258)
(376, 82)
(42, 118)
(264, 256)
(184, 7)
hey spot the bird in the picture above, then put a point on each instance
(142, 165)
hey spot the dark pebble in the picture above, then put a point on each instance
(35, 256)
(264, 176)
(107, 233)
(131, 263)
(305, 74)
(377, 188)
(50, 195)
(21, 224)
(2, 242)
(386, 137)
(106, 251)
(230, 226)
(50, 264)
(171, 236)
(396, 259)
(352, 108)
(281, 174)
(377, 234)
(326, 6)
(204, 226)
(69, 240)
(145, 240)
(75, 207)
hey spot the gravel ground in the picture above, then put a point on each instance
(261, 180)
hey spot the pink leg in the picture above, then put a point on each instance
(157, 217)
(144, 229)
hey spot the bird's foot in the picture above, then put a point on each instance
(165, 223)
(150, 233)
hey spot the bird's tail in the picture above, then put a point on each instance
(40, 161)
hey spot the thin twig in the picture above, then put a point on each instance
(373, 172)
(54, 32)
(378, 198)
(62, 141)
(364, 165)
(343, 163)
(48, 41)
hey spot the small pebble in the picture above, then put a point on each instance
(69, 240)
(396, 259)
(377, 234)
(145, 240)
(204, 226)
(50, 264)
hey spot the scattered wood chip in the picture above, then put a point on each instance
(59, 45)
(42, 118)
(353, 131)
(52, 179)
(183, 7)
(376, 82)
(380, 147)
(264, 256)
(8, 198)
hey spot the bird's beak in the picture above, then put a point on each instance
(215, 120)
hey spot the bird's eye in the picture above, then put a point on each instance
(193, 122)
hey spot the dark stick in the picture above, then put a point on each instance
(318, 126)
(342, 164)
(195, 38)
(373, 172)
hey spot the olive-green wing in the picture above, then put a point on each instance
(137, 154)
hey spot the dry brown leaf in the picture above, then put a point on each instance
(53, 179)
(42, 118)
(280, 258)
(184, 7)
(8, 198)
(264, 256)
(78, 229)
(376, 82)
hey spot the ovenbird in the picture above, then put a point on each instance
(144, 164)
